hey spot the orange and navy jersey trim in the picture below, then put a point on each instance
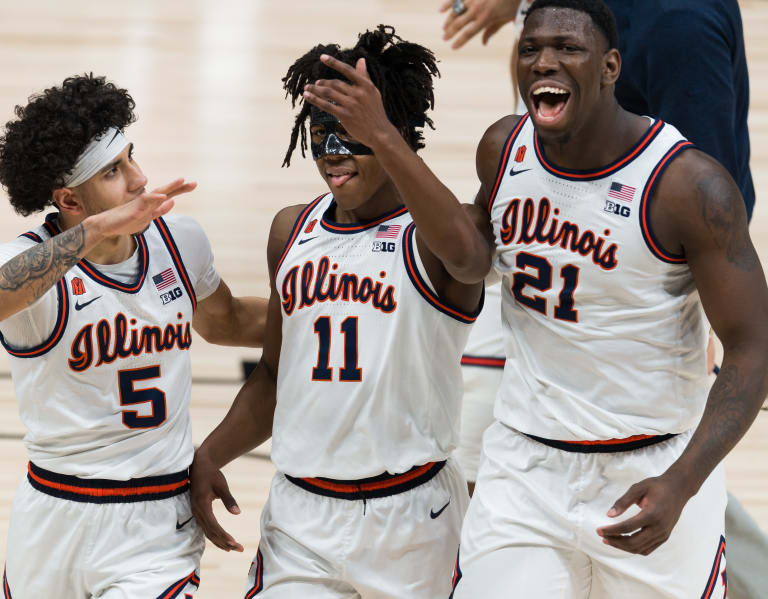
(456, 574)
(58, 330)
(383, 485)
(173, 250)
(504, 159)
(712, 582)
(603, 445)
(177, 587)
(348, 228)
(93, 273)
(423, 288)
(258, 576)
(589, 175)
(6, 586)
(645, 206)
(33, 236)
(99, 490)
(297, 227)
(483, 361)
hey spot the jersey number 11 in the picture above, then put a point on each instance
(350, 371)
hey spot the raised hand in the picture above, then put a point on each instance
(136, 215)
(355, 102)
(661, 500)
(487, 16)
(208, 484)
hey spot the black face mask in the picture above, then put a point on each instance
(333, 143)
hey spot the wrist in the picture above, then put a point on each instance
(95, 228)
(387, 139)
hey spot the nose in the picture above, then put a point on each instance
(136, 178)
(546, 61)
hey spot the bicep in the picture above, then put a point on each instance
(723, 260)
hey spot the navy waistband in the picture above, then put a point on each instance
(383, 485)
(604, 446)
(100, 490)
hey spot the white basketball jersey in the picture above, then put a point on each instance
(485, 346)
(107, 394)
(369, 378)
(605, 336)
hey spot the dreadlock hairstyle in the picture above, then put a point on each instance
(598, 11)
(41, 146)
(402, 72)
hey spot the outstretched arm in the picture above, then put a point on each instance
(249, 421)
(711, 226)
(224, 319)
(487, 16)
(26, 277)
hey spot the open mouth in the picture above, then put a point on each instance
(549, 102)
(339, 176)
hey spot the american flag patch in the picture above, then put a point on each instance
(387, 231)
(621, 192)
(164, 279)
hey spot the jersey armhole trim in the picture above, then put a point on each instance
(58, 329)
(645, 206)
(173, 250)
(296, 228)
(501, 169)
(424, 289)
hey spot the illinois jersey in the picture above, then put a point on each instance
(369, 378)
(604, 331)
(104, 392)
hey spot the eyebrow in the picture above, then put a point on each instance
(115, 163)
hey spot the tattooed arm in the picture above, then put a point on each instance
(26, 277)
(697, 210)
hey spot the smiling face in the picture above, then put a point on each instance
(565, 69)
(353, 178)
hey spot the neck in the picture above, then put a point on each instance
(112, 250)
(609, 133)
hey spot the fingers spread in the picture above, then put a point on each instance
(467, 34)
(341, 67)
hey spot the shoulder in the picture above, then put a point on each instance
(491, 146)
(184, 228)
(697, 192)
(280, 232)
(13, 248)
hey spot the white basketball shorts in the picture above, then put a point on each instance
(89, 538)
(481, 383)
(530, 530)
(386, 546)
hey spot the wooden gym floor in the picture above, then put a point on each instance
(206, 75)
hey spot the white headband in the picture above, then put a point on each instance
(97, 154)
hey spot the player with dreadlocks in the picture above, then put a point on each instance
(368, 316)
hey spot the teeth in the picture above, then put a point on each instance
(549, 90)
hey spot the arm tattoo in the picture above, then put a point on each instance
(37, 269)
(727, 224)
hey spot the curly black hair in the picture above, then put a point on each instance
(40, 147)
(598, 11)
(402, 71)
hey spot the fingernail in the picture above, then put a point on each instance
(612, 512)
(235, 510)
(323, 56)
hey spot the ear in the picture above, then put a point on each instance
(611, 67)
(68, 202)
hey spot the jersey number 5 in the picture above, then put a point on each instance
(350, 371)
(543, 282)
(130, 395)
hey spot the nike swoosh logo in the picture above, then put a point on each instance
(79, 306)
(307, 239)
(434, 515)
(183, 524)
(513, 172)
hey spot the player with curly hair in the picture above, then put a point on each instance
(369, 312)
(96, 309)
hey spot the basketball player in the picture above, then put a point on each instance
(367, 319)
(96, 307)
(609, 226)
